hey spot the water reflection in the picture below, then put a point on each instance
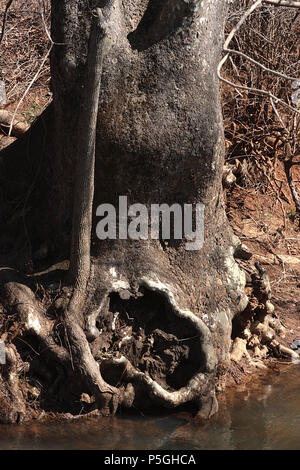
(265, 415)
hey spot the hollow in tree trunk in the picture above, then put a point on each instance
(151, 320)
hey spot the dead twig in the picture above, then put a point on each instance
(28, 88)
(8, 5)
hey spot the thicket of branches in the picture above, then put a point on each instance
(23, 47)
(257, 131)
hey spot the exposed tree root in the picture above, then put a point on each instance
(20, 299)
(82, 359)
(139, 348)
(199, 386)
(257, 330)
(74, 357)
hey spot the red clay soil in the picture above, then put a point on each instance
(263, 217)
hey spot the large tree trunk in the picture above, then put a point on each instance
(155, 324)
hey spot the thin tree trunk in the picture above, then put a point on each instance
(80, 261)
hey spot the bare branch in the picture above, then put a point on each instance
(278, 115)
(35, 77)
(8, 5)
(266, 69)
(253, 90)
(242, 20)
(28, 88)
(45, 25)
(283, 3)
(229, 38)
(47, 30)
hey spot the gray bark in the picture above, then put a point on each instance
(159, 139)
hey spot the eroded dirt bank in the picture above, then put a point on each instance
(265, 222)
(138, 335)
(142, 335)
(143, 330)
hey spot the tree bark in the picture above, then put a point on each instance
(155, 323)
(80, 262)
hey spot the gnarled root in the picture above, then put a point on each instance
(152, 372)
(19, 300)
(82, 359)
(198, 386)
(170, 368)
(257, 329)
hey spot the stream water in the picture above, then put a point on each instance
(263, 415)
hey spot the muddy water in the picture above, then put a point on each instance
(264, 415)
